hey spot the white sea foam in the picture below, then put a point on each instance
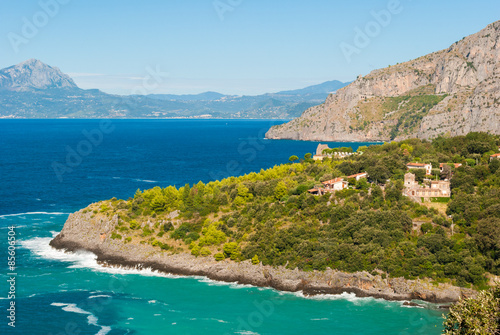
(33, 213)
(91, 318)
(145, 180)
(82, 259)
(247, 332)
(99, 296)
(212, 282)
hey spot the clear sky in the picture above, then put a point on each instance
(229, 46)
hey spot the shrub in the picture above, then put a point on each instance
(219, 256)
(116, 236)
(479, 315)
(195, 250)
(205, 252)
(134, 225)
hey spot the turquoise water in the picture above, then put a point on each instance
(59, 293)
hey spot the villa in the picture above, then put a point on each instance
(426, 167)
(336, 184)
(358, 176)
(329, 186)
(320, 154)
(495, 156)
(456, 165)
(430, 189)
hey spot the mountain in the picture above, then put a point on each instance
(33, 89)
(206, 96)
(326, 87)
(33, 74)
(450, 92)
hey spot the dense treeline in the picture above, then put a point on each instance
(270, 217)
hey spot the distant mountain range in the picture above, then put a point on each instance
(33, 89)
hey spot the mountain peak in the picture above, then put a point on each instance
(34, 74)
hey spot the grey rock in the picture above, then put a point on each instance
(84, 231)
(468, 72)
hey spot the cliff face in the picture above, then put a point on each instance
(86, 231)
(452, 92)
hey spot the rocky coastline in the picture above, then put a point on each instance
(85, 231)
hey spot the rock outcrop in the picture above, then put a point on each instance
(451, 92)
(84, 230)
(33, 74)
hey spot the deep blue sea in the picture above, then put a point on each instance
(49, 168)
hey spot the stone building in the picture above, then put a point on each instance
(430, 189)
(426, 167)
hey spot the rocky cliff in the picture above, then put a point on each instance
(451, 92)
(88, 231)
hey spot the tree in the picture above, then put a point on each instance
(479, 315)
(378, 173)
(494, 165)
(446, 172)
(407, 149)
(255, 260)
(280, 190)
(362, 184)
(232, 250)
(307, 156)
(293, 158)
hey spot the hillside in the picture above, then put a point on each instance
(270, 217)
(451, 92)
(33, 89)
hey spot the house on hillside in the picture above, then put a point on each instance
(426, 167)
(358, 176)
(495, 156)
(320, 154)
(336, 184)
(430, 189)
(317, 191)
(329, 186)
(456, 165)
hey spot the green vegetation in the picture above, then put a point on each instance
(479, 315)
(411, 110)
(270, 217)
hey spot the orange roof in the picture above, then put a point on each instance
(495, 155)
(333, 181)
(457, 165)
(356, 175)
(416, 164)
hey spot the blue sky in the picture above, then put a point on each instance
(230, 46)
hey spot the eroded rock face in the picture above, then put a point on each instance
(84, 231)
(466, 75)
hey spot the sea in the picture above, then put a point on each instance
(50, 168)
